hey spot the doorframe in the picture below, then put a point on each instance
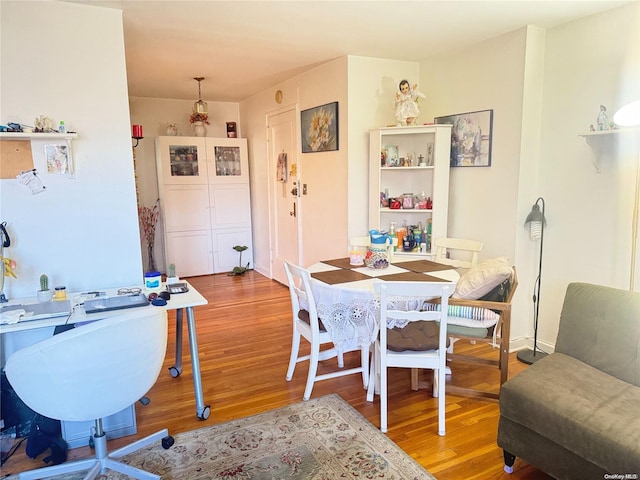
(295, 107)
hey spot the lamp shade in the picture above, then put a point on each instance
(200, 106)
(535, 221)
(629, 115)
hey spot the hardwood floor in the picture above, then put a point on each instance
(244, 336)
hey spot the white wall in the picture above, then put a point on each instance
(155, 114)
(587, 63)
(486, 203)
(67, 61)
(336, 207)
(545, 88)
(373, 83)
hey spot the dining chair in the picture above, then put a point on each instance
(461, 247)
(430, 354)
(307, 324)
(90, 372)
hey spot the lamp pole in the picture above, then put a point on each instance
(529, 356)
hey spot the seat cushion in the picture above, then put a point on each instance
(587, 411)
(304, 316)
(416, 336)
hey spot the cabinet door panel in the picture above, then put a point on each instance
(230, 206)
(186, 207)
(181, 160)
(227, 160)
(225, 258)
(190, 252)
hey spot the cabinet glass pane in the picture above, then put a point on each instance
(184, 160)
(227, 161)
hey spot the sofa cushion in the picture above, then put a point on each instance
(600, 326)
(587, 411)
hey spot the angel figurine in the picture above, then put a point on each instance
(406, 103)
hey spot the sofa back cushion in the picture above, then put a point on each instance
(601, 327)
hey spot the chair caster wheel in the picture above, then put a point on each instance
(205, 413)
(508, 469)
(174, 372)
(167, 442)
(145, 401)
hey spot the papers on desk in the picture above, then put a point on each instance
(10, 314)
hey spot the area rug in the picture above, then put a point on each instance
(321, 439)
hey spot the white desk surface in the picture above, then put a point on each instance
(192, 298)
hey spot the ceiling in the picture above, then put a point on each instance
(245, 47)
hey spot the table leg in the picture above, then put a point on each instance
(176, 370)
(202, 410)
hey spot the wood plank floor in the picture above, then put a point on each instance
(244, 336)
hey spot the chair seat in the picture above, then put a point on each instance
(304, 316)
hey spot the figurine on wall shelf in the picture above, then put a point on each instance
(406, 103)
(603, 119)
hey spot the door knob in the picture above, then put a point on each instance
(294, 191)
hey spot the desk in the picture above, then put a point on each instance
(346, 301)
(179, 302)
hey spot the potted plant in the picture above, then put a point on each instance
(44, 294)
(240, 270)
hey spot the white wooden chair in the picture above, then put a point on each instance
(307, 324)
(459, 247)
(91, 372)
(431, 359)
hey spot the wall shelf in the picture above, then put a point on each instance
(37, 136)
(604, 143)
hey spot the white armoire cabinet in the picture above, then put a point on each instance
(405, 161)
(205, 203)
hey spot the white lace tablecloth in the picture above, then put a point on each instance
(350, 311)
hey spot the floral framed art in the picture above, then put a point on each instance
(319, 128)
(470, 138)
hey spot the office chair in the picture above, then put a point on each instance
(91, 372)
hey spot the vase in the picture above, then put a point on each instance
(199, 129)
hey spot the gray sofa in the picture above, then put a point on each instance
(575, 414)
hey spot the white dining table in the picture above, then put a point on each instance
(346, 301)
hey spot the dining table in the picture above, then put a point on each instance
(347, 303)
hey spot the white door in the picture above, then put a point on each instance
(283, 182)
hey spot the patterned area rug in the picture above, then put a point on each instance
(321, 439)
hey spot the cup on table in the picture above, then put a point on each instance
(357, 254)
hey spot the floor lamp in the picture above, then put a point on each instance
(629, 116)
(536, 222)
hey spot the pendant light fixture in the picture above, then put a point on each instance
(200, 106)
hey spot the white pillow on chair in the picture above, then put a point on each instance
(482, 278)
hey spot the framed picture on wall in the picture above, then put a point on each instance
(58, 161)
(470, 138)
(319, 128)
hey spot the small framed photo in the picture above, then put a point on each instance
(58, 159)
(429, 156)
(470, 138)
(319, 128)
(390, 153)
